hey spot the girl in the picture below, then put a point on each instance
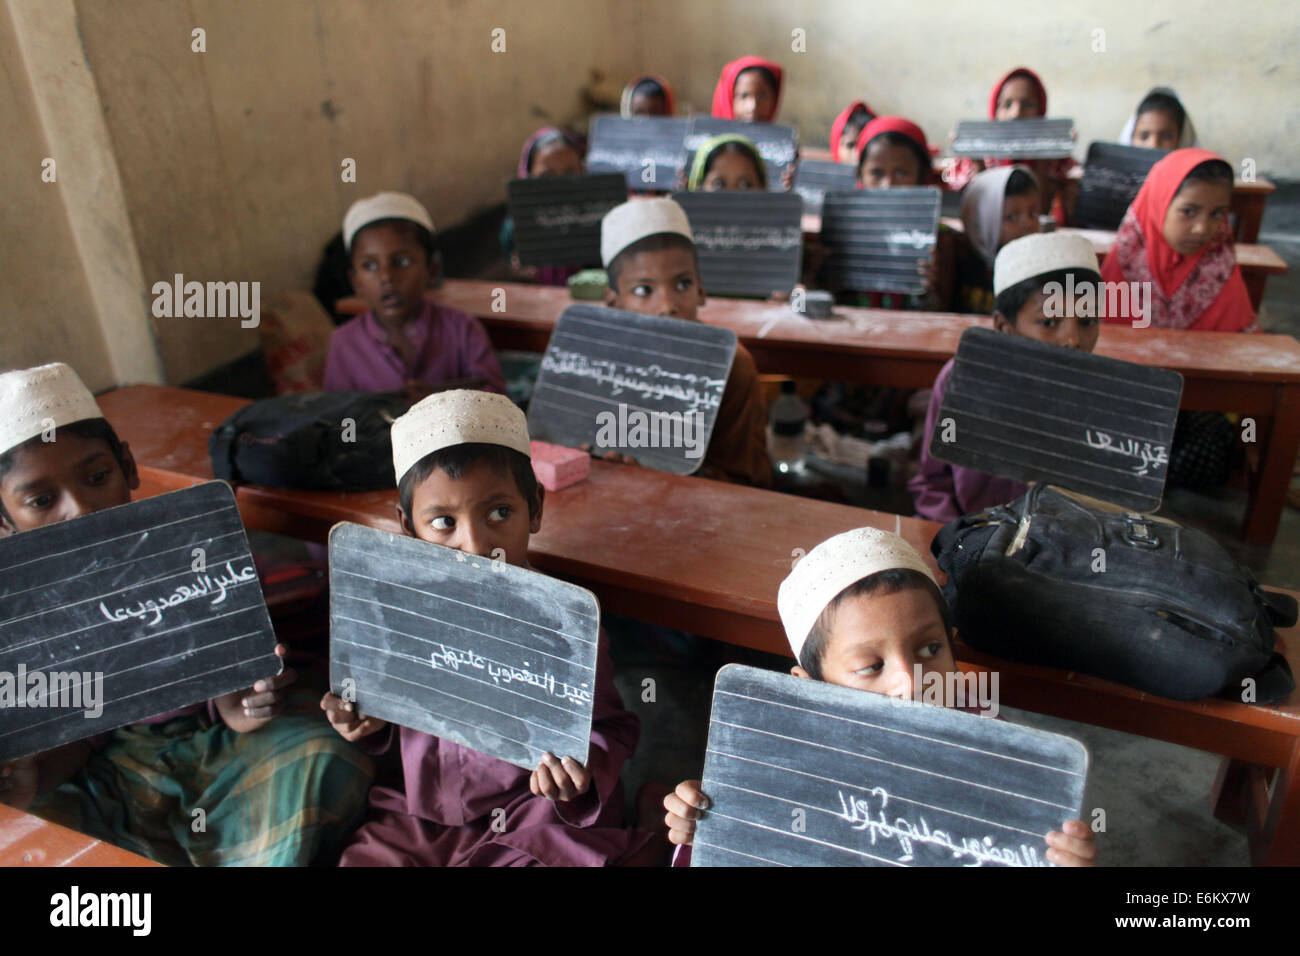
(647, 96)
(548, 152)
(1159, 122)
(727, 162)
(999, 205)
(846, 128)
(749, 89)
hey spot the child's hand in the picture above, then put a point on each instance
(347, 720)
(609, 455)
(787, 177)
(18, 783)
(684, 805)
(929, 275)
(557, 779)
(263, 700)
(527, 273)
(1074, 847)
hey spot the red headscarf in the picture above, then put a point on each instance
(894, 124)
(1028, 74)
(725, 92)
(837, 128)
(1204, 292)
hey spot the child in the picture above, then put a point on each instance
(748, 89)
(1176, 237)
(862, 610)
(727, 162)
(403, 341)
(649, 253)
(845, 130)
(1159, 122)
(1023, 267)
(274, 790)
(647, 96)
(999, 205)
(548, 152)
(466, 482)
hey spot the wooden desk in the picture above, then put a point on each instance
(1255, 375)
(26, 840)
(708, 557)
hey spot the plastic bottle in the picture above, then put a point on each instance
(787, 417)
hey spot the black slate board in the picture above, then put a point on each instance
(1038, 138)
(749, 243)
(1112, 176)
(602, 365)
(650, 151)
(874, 237)
(557, 218)
(778, 145)
(1030, 411)
(117, 595)
(879, 781)
(495, 657)
(814, 178)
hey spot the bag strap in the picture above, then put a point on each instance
(221, 450)
(1275, 682)
(1282, 608)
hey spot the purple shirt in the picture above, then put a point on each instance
(942, 492)
(448, 344)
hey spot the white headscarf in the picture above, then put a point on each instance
(981, 208)
(1186, 139)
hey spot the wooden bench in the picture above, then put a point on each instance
(708, 557)
(1253, 375)
(26, 840)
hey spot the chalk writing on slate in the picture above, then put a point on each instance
(748, 243)
(778, 145)
(1037, 138)
(1112, 176)
(491, 656)
(650, 151)
(1030, 411)
(642, 385)
(557, 218)
(874, 237)
(814, 178)
(126, 614)
(803, 773)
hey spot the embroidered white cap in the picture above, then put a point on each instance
(1039, 254)
(383, 206)
(831, 567)
(635, 220)
(457, 418)
(35, 399)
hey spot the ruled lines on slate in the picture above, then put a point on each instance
(814, 178)
(748, 243)
(1036, 138)
(494, 657)
(874, 239)
(557, 218)
(777, 145)
(1112, 176)
(650, 151)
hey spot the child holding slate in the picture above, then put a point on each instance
(466, 482)
(647, 95)
(403, 341)
(548, 152)
(845, 130)
(998, 206)
(727, 162)
(1159, 122)
(1022, 273)
(649, 253)
(273, 790)
(862, 610)
(748, 89)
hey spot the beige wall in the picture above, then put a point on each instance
(225, 164)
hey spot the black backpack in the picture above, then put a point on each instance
(1171, 613)
(332, 441)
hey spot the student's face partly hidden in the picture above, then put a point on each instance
(887, 165)
(662, 282)
(876, 641)
(1156, 129)
(1018, 99)
(1072, 331)
(391, 271)
(849, 143)
(1019, 217)
(752, 99)
(477, 513)
(555, 159)
(648, 104)
(1195, 216)
(66, 478)
(731, 171)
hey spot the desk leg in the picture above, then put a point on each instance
(1268, 495)
(1250, 213)
(1255, 287)
(1279, 840)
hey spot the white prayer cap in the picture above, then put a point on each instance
(1036, 255)
(635, 220)
(383, 206)
(831, 567)
(34, 399)
(457, 418)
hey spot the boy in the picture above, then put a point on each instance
(466, 482)
(272, 792)
(649, 253)
(862, 610)
(404, 341)
(1022, 269)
